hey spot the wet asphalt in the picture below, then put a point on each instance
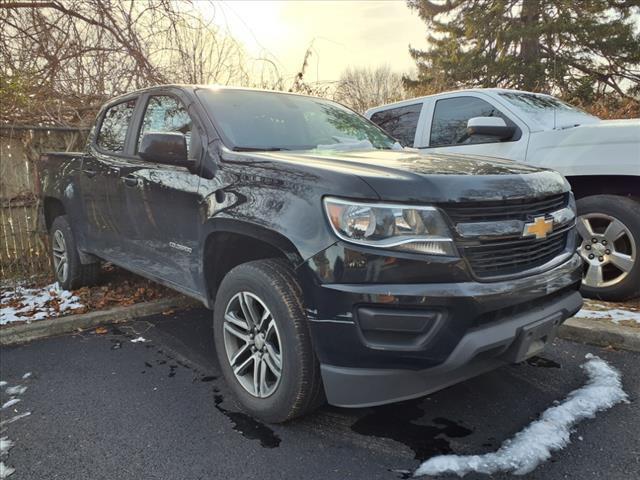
(103, 407)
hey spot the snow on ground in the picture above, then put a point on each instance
(138, 340)
(5, 443)
(616, 315)
(551, 432)
(28, 304)
(17, 390)
(9, 403)
(5, 471)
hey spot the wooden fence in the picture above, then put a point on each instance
(23, 244)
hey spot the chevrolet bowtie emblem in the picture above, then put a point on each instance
(539, 227)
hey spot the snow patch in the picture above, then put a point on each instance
(17, 390)
(533, 445)
(9, 403)
(26, 375)
(616, 315)
(138, 340)
(14, 419)
(5, 445)
(28, 304)
(5, 471)
(2, 383)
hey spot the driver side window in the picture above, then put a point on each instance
(450, 117)
(167, 114)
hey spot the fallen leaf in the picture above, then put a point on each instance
(101, 330)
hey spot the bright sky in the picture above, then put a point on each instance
(344, 33)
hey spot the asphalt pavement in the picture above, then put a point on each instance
(104, 407)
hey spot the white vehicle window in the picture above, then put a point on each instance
(547, 110)
(400, 122)
(450, 117)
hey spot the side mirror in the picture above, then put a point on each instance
(167, 147)
(491, 126)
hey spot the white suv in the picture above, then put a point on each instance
(599, 158)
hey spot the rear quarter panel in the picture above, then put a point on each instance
(59, 174)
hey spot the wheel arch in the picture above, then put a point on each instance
(52, 208)
(587, 185)
(229, 243)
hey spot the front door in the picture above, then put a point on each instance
(162, 200)
(447, 129)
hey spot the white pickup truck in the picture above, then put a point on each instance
(599, 158)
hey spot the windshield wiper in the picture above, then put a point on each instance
(258, 149)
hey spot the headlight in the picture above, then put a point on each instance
(399, 227)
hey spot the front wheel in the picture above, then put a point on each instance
(609, 229)
(263, 342)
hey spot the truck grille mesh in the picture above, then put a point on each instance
(499, 257)
(506, 210)
(509, 258)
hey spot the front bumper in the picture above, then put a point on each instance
(472, 327)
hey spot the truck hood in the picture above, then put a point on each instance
(406, 176)
(608, 147)
(615, 129)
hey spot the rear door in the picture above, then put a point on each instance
(446, 124)
(401, 122)
(101, 190)
(162, 201)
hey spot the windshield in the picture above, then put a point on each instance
(258, 120)
(548, 110)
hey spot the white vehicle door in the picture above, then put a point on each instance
(445, 127)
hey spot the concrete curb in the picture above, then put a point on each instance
(602, 334)
(27, 332)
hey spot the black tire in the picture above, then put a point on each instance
(77, 275)
(627, 211)
(299, 390)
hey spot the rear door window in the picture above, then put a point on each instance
(450, 117)
(401, 122)
(113, 130)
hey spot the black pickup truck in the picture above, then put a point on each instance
(339, 266)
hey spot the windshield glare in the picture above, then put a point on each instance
(258, 120)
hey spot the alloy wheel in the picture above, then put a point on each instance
(608, 249)
(252, 344)
(60, 257)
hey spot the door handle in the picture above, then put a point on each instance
(130, 181)
(90, 173)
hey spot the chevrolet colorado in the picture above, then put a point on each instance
(599, 158)
(339, 266)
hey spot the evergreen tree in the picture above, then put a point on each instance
(569, 47)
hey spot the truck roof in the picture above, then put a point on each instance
(188, 86)
(414, 100)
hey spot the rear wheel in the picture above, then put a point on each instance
(263, 342)
(609, 229)
(68, 270)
